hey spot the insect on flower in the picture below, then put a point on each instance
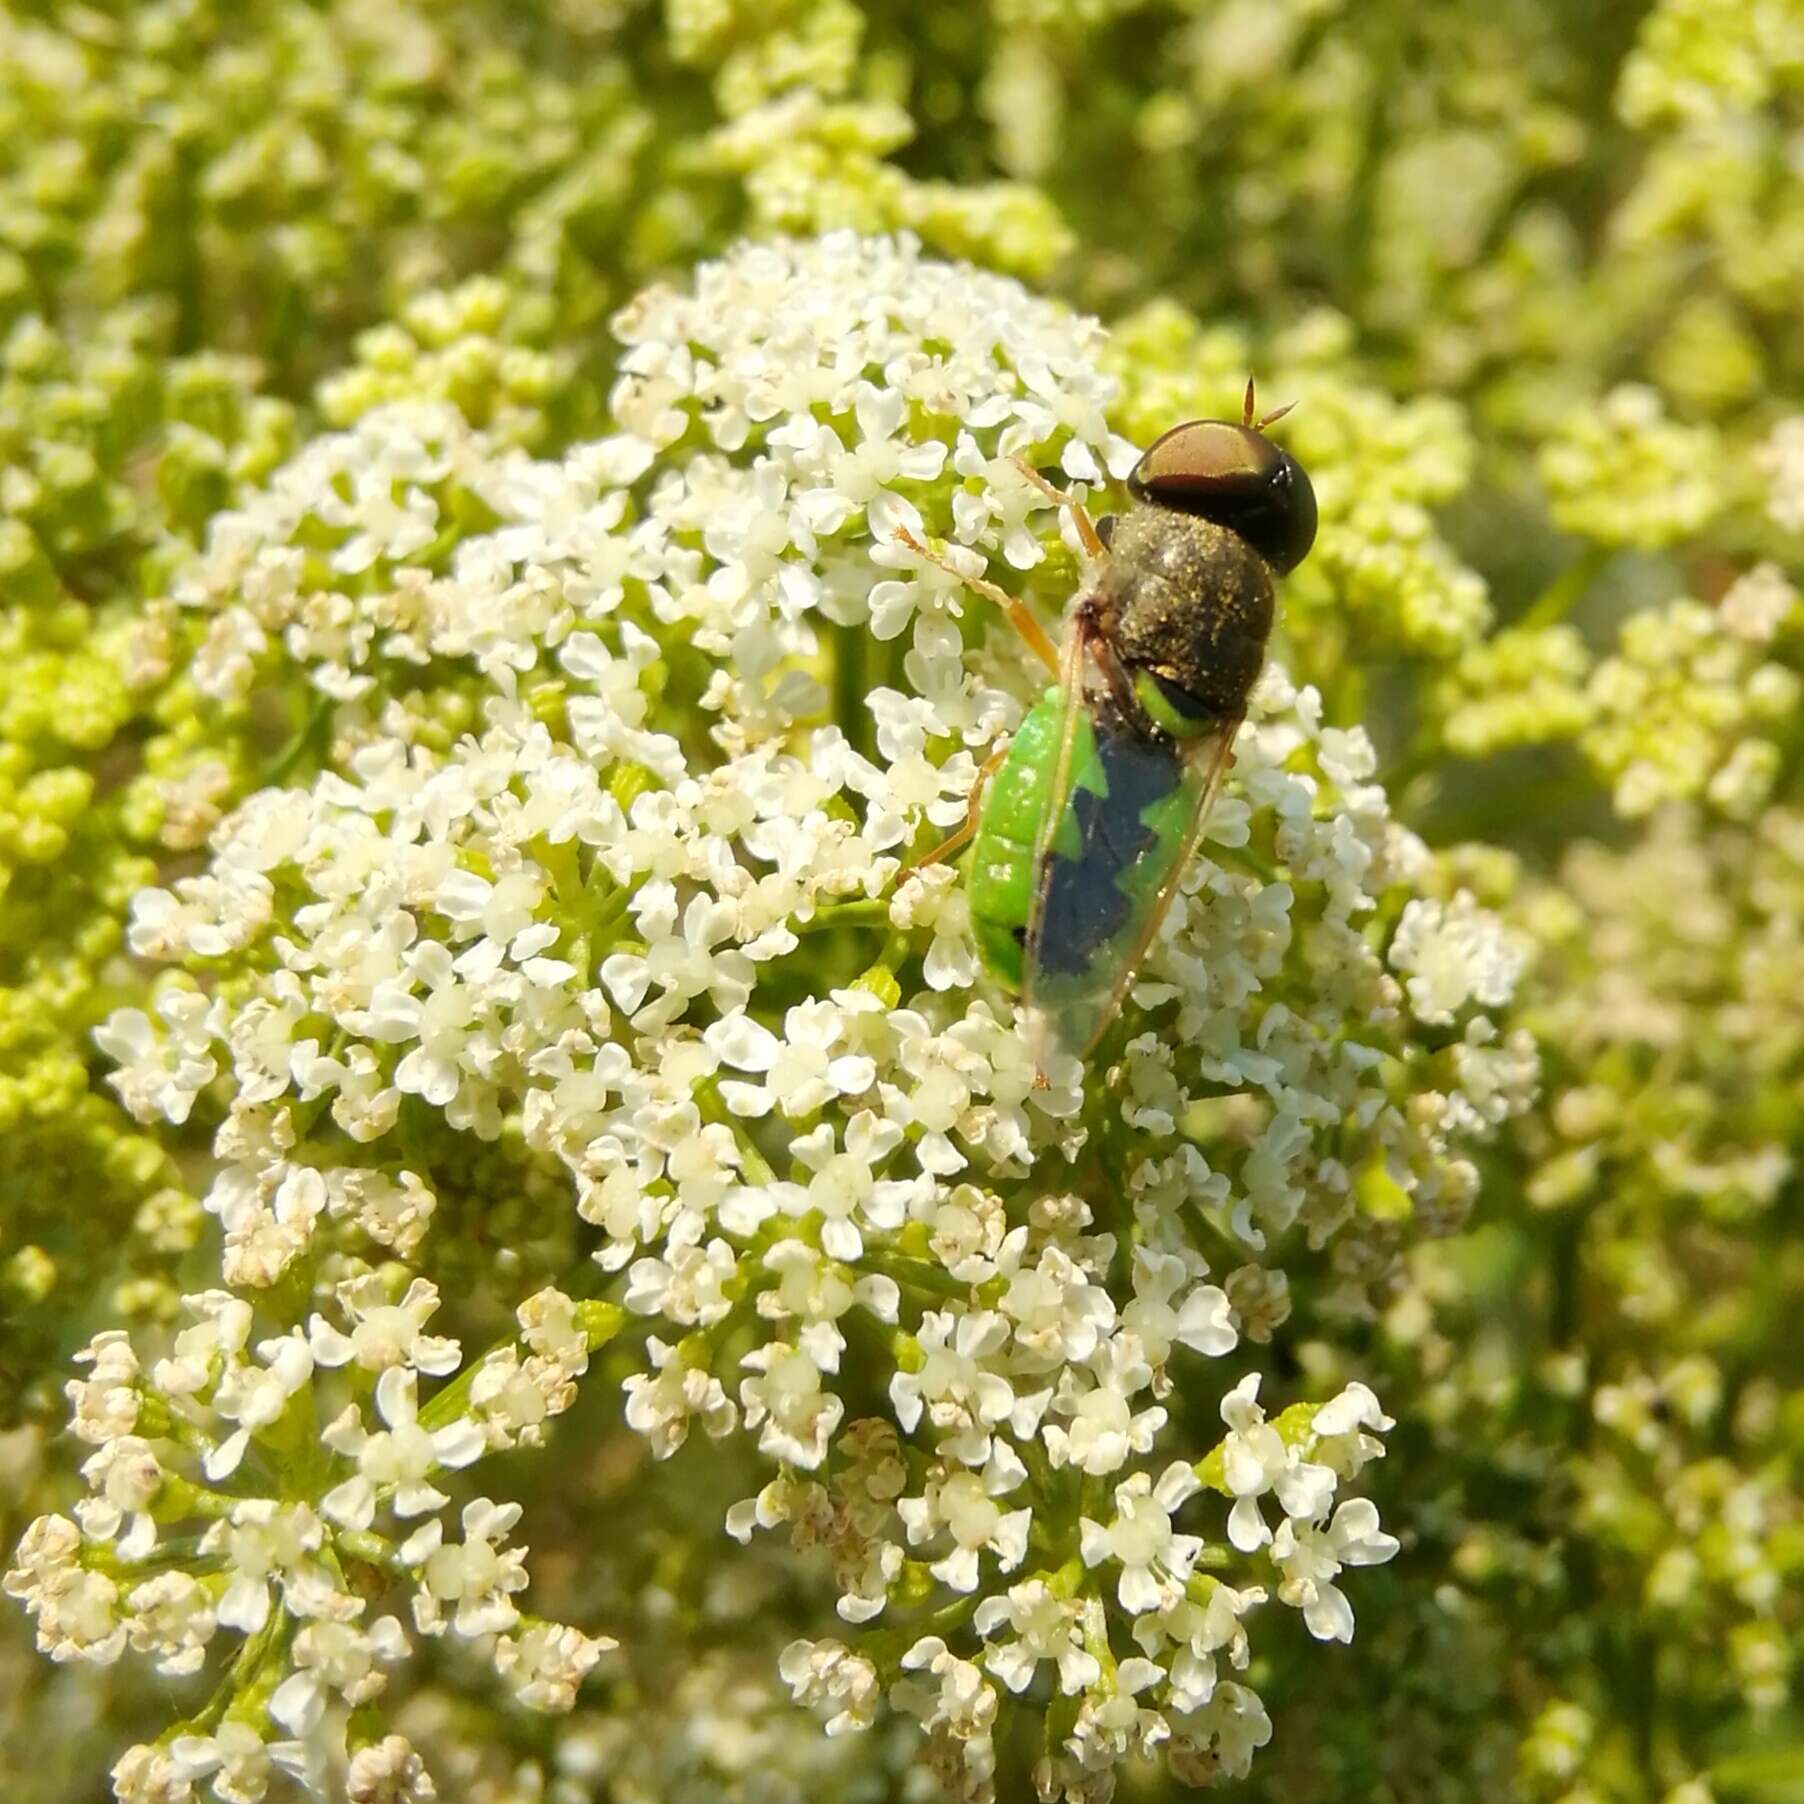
(1084, 822)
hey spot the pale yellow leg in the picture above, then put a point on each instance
(963, 836)
(1019, 618)
(1087, 534)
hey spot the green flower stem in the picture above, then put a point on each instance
(708, 1099)
(1567, 589)
(602, 1321)
(913, 1274)
(865, 912)
(308, 737)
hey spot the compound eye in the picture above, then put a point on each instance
(1193, 464)
(1236, 477)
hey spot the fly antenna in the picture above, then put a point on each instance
(1250, 407)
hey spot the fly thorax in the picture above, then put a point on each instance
(1192, 603)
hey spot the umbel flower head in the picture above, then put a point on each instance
(645, 937)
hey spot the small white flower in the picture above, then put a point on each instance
(661, 1405)
(545, 1665)
(1342, 1443)
(476, 1575)
(237, 1762)
(1101, 1430)
(335, 1658)
(1454, 953)
(1219, 1740)
(1202, 1321)
(1046, 1627)
(826, 1673)
(962, 1398)
(844, 1186)
(1155, 1560)
(817, 1292)
(1310, 1558)
(1256, 1460)
(398, 1458)
(160, 1075)
(786, 1402)
(105, 1404)
(964, 1505)
(1059, 1316)
(504, 911)
(963, 1701)
(125, 1476)
(1198, 1632)
(264, 1542)
(172, 1619)
(149, 1775)
(689, 1287)
(802, 1070)
(255, 1396)
(1114, 1727)
(384, 1334)
(389, 1772)
(679, 965)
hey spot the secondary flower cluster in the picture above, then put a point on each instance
(211, 1510)
(648, 930)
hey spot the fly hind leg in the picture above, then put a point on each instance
(964, 834)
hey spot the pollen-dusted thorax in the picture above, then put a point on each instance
(1219, 511)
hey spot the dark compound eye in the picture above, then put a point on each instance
(1236, 477)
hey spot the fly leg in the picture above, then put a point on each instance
(1018, 617)
(1088, 535)
(964, 834)
(1114, 673)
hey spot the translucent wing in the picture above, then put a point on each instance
(1125, 815)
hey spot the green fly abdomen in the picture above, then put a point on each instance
(1000, 879)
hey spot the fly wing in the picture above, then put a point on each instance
(1076, 748)
(1126, 816)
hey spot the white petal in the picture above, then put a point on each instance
(245, 1605)
(1246, 1527)
(330, 1347)
(222, 1461)
(1139, 1591)
(1329, 1617)
(1355, 1407)
(852, 1075)
(1306, 1491)
(1203, 1323)
(743, 1043)
(352, 1504)
(460, 1443)
(1177, 1483)
(299, 1702)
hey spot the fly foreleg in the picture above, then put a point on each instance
(1038, 640)
(1087, 533)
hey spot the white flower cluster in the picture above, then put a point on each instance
(652, 918)
(193, 1526)
(1781, 462)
